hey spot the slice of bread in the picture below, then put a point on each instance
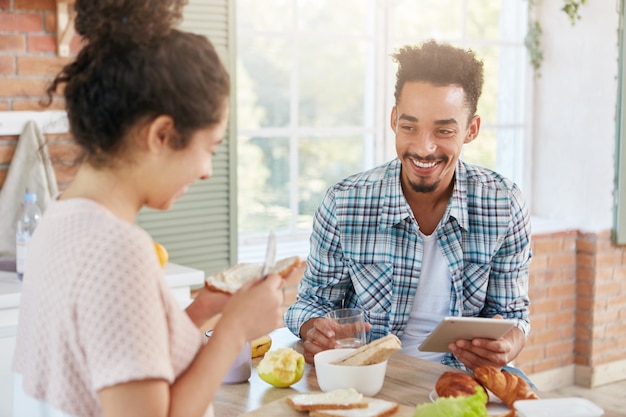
(231, 279)
(338, 399)
(375, 408)
(374, 352)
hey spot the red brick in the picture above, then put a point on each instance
(12, 43)
(609, 258)
(40, 65)
(26, 105)
(558, 260)
(4, 105)
(530, 354)
(7, 149)
(3, 176)
(539, 262)
(15, 87)
(76, 44)
(561, 290)
(21, 22)
(34, 4)
(64, 152)
(546, 365)
(585, 260)
(5, 4)
(546, 336)
(7, 65)
(560, 348)
(548, 246)
(586, 246)
(42, 44)
(544, 306)
(50, 22)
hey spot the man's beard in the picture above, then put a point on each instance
(424, 188)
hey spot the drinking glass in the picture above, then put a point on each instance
(349, 326)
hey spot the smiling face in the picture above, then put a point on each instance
(177, 169)
(432, 123)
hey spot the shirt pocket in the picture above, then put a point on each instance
(373, 291)
(475, 283)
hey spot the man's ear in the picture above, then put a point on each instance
(472, 129)
(160, 132)
(394, 119)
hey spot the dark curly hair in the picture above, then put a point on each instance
(135, 67)
(440, 64)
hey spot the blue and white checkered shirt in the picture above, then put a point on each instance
(366, 251)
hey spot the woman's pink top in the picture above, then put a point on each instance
(95, 310)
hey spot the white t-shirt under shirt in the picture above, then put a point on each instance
(432, 300)
(95, 310)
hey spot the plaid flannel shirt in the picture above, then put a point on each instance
(366, 251)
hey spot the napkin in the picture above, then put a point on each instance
(30, 169)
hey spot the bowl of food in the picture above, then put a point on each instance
(366, 379)
(363, 368)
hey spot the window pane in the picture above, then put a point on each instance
(263, 183)
(265, 15)
(511, 85)
(483, 19)
(332, 87)
(345, 17)
(263, 74)
(488, 103)
(482, 150)
(412, 21)
(323, 162)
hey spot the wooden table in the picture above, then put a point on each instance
(408, 381)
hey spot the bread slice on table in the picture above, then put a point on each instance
(375, 408)
(374, 352)
(231, 279)
(337, 400)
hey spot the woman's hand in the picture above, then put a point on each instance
(256, 308)
(206, 305)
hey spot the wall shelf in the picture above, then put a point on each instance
(51, 121)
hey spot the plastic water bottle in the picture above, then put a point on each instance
(28, 219)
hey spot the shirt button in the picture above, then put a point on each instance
(444, 237)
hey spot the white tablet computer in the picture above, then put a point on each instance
(468, 328)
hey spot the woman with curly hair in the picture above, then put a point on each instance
(99, 332)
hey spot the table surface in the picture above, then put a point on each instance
(408, 382)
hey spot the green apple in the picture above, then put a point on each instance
(281, 367)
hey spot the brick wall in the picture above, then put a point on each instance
(28, 60)
(578, 307)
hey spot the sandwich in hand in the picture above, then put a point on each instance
(231, 279)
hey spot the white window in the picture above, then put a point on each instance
(315, 85)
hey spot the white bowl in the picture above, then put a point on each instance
(367, 379)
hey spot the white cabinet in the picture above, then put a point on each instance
(179, 278)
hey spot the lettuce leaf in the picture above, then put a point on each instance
(472, 406)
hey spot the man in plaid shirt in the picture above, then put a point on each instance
(425, 235)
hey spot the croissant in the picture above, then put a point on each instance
(456, 384)
(504, 385)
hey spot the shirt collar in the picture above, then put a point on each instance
(395, 208)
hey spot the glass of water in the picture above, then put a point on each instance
(349, 326)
